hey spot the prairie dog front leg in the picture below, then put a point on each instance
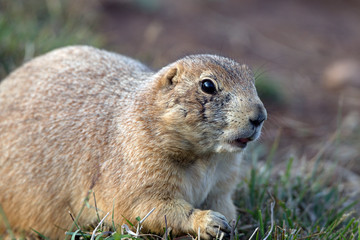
(183, 219)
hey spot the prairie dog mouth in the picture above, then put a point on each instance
(240, 142)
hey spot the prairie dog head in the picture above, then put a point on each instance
(209, 104)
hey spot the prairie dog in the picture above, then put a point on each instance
(80, 118)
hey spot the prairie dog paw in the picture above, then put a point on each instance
(211, 224)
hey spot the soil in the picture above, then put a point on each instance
(290, 43)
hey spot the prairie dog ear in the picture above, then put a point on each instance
(171, 76)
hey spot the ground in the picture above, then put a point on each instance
(289, 43)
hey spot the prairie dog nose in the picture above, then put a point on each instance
(259, 116)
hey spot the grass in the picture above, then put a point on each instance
(32, 27)
(304, 200)
(308, 205)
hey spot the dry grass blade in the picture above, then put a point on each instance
(252, 235)
(166, 229)
(272, 220)
(94, 232)
(137, 234)
(233, 226)
(142, 220)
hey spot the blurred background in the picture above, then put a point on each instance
(305, 55)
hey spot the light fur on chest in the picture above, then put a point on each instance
(202, 179)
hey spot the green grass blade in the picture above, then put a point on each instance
(6, 223)
(40, 234)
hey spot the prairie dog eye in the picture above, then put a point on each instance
(208, 86)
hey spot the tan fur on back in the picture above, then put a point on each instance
(79, 118)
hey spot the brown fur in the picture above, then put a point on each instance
(80, 118)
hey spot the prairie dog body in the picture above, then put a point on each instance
(79, 118)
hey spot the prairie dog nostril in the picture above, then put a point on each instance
(258, 119)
